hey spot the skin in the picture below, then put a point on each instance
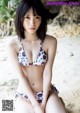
(35, 78)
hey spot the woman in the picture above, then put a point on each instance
(33, 56)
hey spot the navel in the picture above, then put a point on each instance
(33, 84)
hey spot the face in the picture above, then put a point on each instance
(31, 22)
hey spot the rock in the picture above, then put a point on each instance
(66, 23)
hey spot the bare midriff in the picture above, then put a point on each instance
(34, 75)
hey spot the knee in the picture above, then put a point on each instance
(55, 105)
(23, 106)
(55, 109)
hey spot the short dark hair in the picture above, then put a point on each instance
(37, 6)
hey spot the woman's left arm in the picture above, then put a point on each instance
(47, 75)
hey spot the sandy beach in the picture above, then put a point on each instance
(66, 72)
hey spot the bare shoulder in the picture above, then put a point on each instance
(50, 41)
(13, 44)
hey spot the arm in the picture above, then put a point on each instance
(47, 75)
(12, 49)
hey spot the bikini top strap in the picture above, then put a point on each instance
(41, 43)
(20, 45)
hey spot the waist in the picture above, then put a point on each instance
(36, 87)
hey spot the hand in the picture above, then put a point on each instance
(38, 109)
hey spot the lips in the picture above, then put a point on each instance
(32, 28)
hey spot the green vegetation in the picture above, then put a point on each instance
(7, 14)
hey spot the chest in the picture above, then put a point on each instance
(32, 53)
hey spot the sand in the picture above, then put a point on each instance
(66, 73)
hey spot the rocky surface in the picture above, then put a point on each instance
(66, 23)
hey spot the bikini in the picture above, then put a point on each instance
(41, 60)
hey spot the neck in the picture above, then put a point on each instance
(31, 37)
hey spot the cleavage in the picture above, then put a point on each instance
(31, 54)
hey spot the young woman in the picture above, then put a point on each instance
(33, 56)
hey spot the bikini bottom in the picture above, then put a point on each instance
(38, 95)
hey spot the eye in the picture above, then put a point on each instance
(37, 17)
(27, 17)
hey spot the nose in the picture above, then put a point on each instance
(32, 22)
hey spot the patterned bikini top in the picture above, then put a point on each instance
(40, 60)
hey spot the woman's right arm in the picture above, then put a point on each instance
(12, 49)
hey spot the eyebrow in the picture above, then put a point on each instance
(33, 14)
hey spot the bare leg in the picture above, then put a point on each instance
(23, 106)
(54, 104)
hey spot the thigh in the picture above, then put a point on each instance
(23, 106)
(54, 104)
